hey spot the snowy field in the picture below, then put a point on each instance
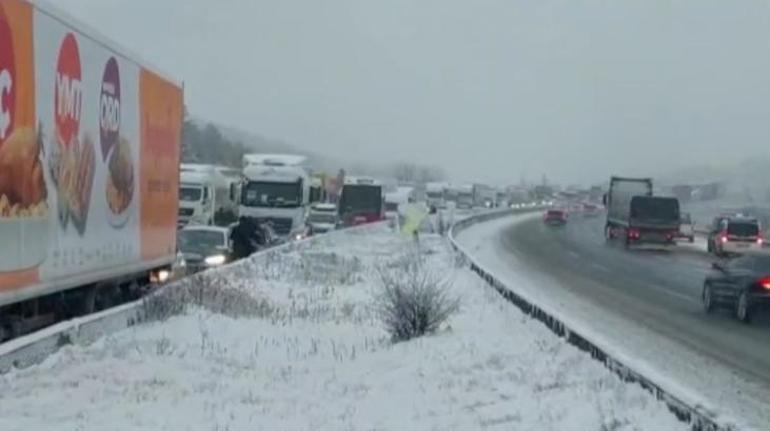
(294, 343)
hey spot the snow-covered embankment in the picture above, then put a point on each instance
(294, 343)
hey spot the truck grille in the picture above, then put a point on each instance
(281, 226)
(186, 212)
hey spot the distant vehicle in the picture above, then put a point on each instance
(734, 235)
(397, 200)
(638, 217)
(591, 210)
(276, 189)
(204, 195)
(742, 284)
(434, 194)
(555, 217)
(322, 218)
(465, 196)
(361, 201)
(686, 227)
(484, 196)
(204, 247)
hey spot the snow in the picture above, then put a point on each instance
(317, 358)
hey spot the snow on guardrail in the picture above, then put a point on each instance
(683, 406)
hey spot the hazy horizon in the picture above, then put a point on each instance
(489, 90)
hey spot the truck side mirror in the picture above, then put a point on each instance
(232, 192)
(604, 199)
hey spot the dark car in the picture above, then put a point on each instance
(555, 217)
(742, 284)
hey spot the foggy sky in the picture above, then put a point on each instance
(491, 90)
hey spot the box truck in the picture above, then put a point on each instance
(636, 216)
(89, 169)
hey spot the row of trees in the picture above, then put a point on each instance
(206, 144)
(415, 173)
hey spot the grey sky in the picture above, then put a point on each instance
(488, 89)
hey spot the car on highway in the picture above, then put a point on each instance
(741, 284)
(202, 247)
(555, 217)
(686, 227)
(591, 210)
(322, 218)
(733, 235)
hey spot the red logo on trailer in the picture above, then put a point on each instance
(68, 90)
(7, 75)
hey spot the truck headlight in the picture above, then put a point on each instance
(215, 260)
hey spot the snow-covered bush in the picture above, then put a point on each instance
(413, 300)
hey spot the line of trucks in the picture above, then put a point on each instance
(92, 193)
(464, 196)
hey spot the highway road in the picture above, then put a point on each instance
(658, 288)
(644, 304)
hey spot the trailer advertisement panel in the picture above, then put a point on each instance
(93, 140)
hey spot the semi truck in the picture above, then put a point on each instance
(638, 217)
(90, 141)
(484, 196)
(204, 195)
(465, 196)
(276, 189)
(434, 195)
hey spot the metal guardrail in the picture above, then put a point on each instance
(699, 417)
(33, 348)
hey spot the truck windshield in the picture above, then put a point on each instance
(655, 209)
(190, 194)
(742, 229)
(272, 195)
(197, 240)
(361, 198)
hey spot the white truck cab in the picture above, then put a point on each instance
(276, 188)
(204, 195)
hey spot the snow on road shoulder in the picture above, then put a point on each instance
(317, 358)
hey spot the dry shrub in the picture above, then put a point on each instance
(208, 291)
(413, 301)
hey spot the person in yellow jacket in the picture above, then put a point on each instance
(414, 216)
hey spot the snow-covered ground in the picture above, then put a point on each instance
(306, 352)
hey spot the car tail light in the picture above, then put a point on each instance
(633, 233)
(764, 282)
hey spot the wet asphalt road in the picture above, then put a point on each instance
(657, 288)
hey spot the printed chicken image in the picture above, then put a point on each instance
(120, 183)
(72, 168)
(22, 185)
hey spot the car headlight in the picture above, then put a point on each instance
(215, 260)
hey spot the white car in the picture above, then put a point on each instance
(686, 227)
(322, 218)
(202, 247)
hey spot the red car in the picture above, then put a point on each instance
(555, 217)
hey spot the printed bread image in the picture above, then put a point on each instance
(120, 181)
(23, 201)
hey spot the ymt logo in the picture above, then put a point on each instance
(68, 92)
